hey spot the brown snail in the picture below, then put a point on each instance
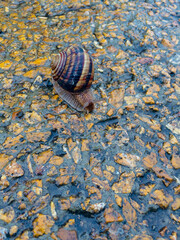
(72, 76)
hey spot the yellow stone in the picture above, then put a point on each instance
(176, 204)
(32, 117)
(71, 144)
(38, 62)
(118, 200)
(6, 65)
(126, 159)
(175, 161)
(148, 100)
(166, 43)
(37, 136)
(111, 215)
(96, 207)
(42, 225)
(56, 160)
(161, 199)
(118, 69)
(146, 189)
(31, 73)
(16, 128)
(13, 230)
(150, 160)
(4, 183)
(142, 237)
(64, 204)
(7, 214)
(131, 100)
(167, 147)
(43, 157)
(129, 213)
(84, 146)
(121, 54)
(63, 180)
(108, 175)
(4, 159)
(13, 141)
(14, 170)
(102, 184)
(116, 97)
(125, 183)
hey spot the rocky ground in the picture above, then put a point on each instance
(112, 174)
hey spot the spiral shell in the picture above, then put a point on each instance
(73, 73)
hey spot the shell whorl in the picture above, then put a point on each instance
(73, 69)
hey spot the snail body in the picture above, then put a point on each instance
(72, 76)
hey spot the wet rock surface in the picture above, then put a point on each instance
(114, 173)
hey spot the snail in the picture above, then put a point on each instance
(72, 76)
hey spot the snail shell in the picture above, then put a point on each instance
(72, 76)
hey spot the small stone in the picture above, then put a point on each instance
(177, 189)
(4, 159)
(111, 215)
(175, 161)
(125, 183)
(64, 234)
(42, 225)
(150, 160)
(13, 230)
(173, 139)
(142, 237)
(38, 62)
(161, 199)
(53, 211)
(176, 204)
(117, 97)
(23, 236)
(162, 174)
(56, 160)
(31, 73)
(76, 154)
(126, 159)
(14, 170)
(166, 43)
(62, 180)
(145, 60)
(32, 117)
(43, 157)
(97, 207)
(6, 65)
(13, 141)
(118, 69)
(37, 136)
(129, 213)
(118, 200)
(22, 206)
(167, 147)
(148, 100)
(121, 54)
(173, 236)
(174, 126)
(3, 182)
(7, 214)
(146, 189)
(64, 204)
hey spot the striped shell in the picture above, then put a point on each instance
(73, 73)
